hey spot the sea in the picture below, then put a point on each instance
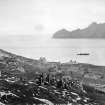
(56, 50)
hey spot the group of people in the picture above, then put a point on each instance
(63, 83)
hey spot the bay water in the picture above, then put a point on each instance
(62, 50)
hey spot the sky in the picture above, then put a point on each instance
(44, 17)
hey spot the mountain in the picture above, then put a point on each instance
(94, 30)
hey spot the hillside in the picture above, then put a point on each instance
(15, 64)
(94, 30)
(25, 81)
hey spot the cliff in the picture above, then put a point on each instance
(94, 30)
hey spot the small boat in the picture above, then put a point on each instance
(83, 54)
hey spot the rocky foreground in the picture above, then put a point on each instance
(32, 94)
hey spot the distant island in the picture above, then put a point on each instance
(94, 30)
